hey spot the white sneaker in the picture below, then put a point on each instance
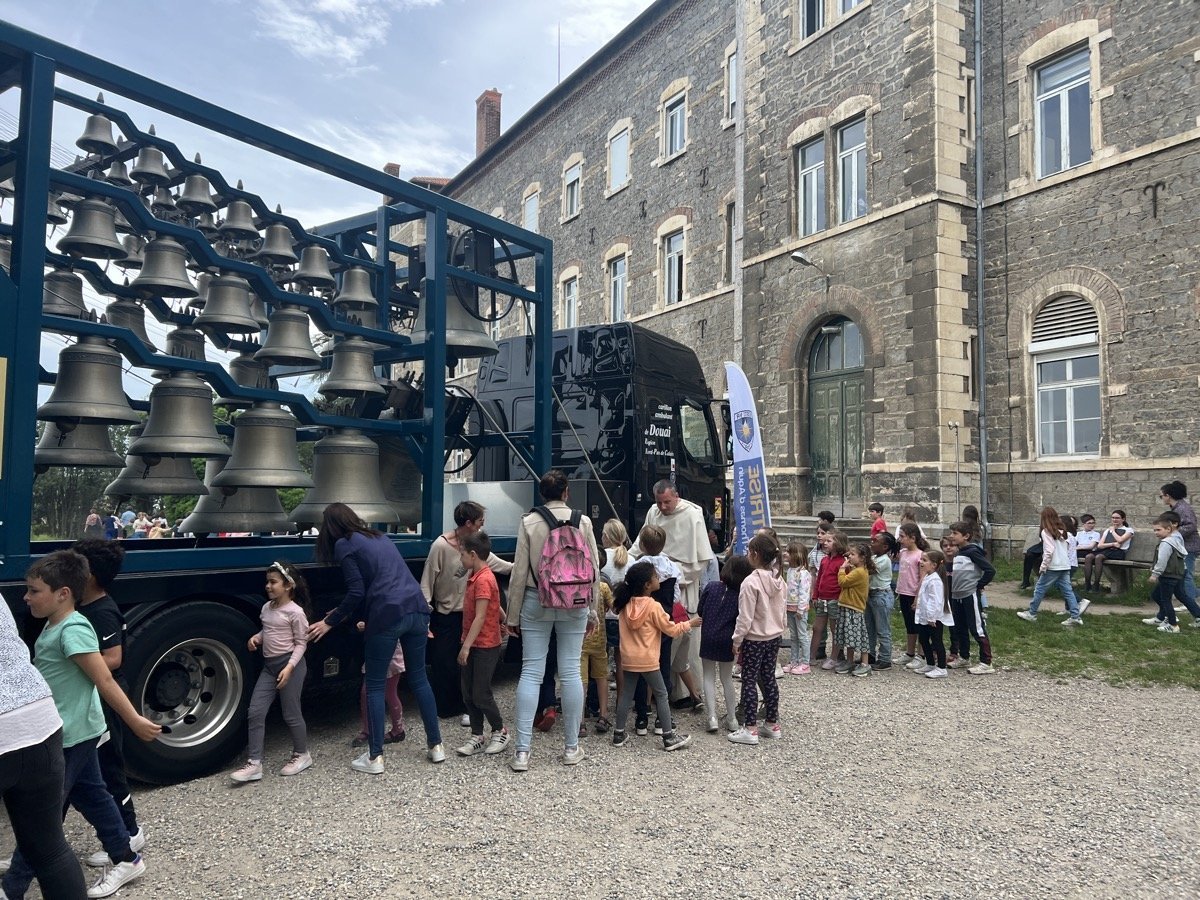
(1168, 628)
(915, 663)
(1153, 620)
(935, 672)
(100, 860)
(436, 753)
(713, 725)
(465, 721)
(771, 732)
(520, 761)
(982, 669)
(1083, 605)
(6, 864)
(298, 763)
(117, 877)
(731, 725)
(960, 663)
(476, 744)
(498, 742)
(1026, 615)
(743, 736)
(251, 771)
(1072, 622)
(924, 669)
(367, 765)
(574, 756)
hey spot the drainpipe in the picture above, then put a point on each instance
(980, 318)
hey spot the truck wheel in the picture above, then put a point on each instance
(190, 672)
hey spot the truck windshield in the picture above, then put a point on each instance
(698, 438)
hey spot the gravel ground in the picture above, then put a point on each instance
(1016, 785)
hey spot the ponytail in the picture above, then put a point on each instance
(637, 579)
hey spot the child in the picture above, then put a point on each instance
(880, 599)
(1055, 570)
(826, 519)
(104, 562)
(762, 607)
(817, 553)
(391, 699)
(948, 550)
(67, 653)
(616, 561)
(642, 620)
(651, 541)
(1085, 544)
(854, 584)
(480, 645)
(594, 661)
(908, 516)
(932, 613)
(971, 574)
(799, 595)
(283, 639)
(1168, 573)
(908, 583)
(719, 611)
(826, 589)
(877, 522)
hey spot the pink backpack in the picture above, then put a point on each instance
(565, 573)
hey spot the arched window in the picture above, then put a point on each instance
(1065, 350)
(838, 347)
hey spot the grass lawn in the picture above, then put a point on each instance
(1009, 570)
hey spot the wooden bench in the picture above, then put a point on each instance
(1138, 555)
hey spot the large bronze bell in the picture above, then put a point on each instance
(288, 342)
(258, 311)
(313, 270)
(149, 168)
(97, 134)
(247, 372)
(252, 510)
(466, 337)
(276, 247)
(401, 477)
(264, 451)
(88, 387)
(164, 270)
(197, 195)
(62, 294)
(93, 232)
(227, 307)
(172, 477)
(86, 445)
(239, 222)
(134, 252)
(180, 422)
(346, 470)
(352, 373)
(356, 290)
(132, 315)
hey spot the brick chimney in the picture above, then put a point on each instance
(392, 169)
(487, 120)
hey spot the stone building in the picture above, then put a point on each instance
(792, 184)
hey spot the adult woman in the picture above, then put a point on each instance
(1175, 496)
(1112, 545)
(380, 590)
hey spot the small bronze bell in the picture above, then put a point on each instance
(288, 342)
(164, 270)
(149, 168)
(356, 290)
(97, 134)
(62, 294)
(313, 270)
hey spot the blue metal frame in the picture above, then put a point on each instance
(38, 62)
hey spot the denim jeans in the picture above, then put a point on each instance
(31, 781)
(537, 624)
(1060, 578)
(879, 624)
(83, 787)
(412, 632)
(798, 637)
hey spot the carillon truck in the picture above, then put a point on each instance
(639, 404)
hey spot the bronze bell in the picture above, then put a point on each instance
(172, 477)
(88, 387)
(466, 337)
(93, 232)
(352, 373)
(264, 451)
(227, 307)
(288, 342)
(54, 213)
(202, 282)
(184, 342)
(97, 134)
(207, 225)
(258, 310)
(246, 371)
(86, 445)
(62, 294)
(276, 248)
(239, 222)
(134, 257)
(356, 290)
(197, 195)
(162, 204)
(118, 173)
(149, 168)
(401, 477)
(313, 270)
(132, 315)
(164, 270)
(251, 510)
(6, 254)
(346, 470)
(180, 421)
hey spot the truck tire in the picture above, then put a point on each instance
(189, 671)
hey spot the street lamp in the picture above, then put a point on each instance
(953, 426)
(801, 257)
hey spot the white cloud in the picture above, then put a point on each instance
(591, 23)
(332, 31)
(420, 147)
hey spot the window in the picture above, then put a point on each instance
(673, 267)
(845, 6)
(618, 160)
(617, 269)
(569, 309)
(530, 208)
(1066, 361)
(838, 346)
(1062, 113)
(810, 168)
(852, 170)
(696, 431)
(675, 125)
(571, 182)
(730, 222)
(812, 17)
(731, 85)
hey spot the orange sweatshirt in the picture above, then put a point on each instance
(641, 622)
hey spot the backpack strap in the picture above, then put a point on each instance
(552, 521)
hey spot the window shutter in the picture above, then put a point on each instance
(1065, 317)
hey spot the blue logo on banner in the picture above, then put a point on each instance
(743, 427)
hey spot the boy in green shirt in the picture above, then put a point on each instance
(67, 653)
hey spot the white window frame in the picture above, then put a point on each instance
(533, 197)
(731, 86)
(569, 303)
(851, 172)
(626, 159)
(674, 268)
(845, 6)
(618, 288)
(1088, 349)
(572, 190)
(1061, 93)
(675, 111)
(808, 28)
(813, 216)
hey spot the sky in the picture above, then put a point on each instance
(377, 80)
